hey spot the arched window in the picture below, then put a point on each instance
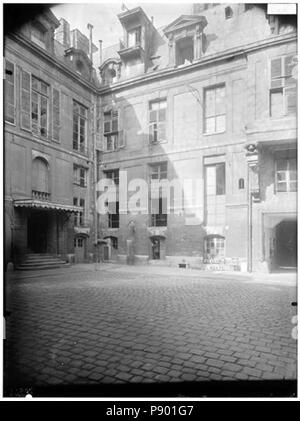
(241, 184)
(228, 12)
(214, 246)
(40, 176)
(113, 241)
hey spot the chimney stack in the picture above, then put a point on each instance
(100, 51)
(90, 27)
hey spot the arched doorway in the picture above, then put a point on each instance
(286, 244)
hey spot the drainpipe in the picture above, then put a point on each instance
(95, 170)
(100, 52)
(90, 28)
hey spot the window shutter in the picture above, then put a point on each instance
(25, 100)
(122, 139)
(55, 114)
(289, 64)
(291, 100)
(9, 92)
(276, 73)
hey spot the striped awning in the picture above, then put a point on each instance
(40, 204)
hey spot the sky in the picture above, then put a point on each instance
(103, 17)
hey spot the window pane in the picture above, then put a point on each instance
(220, 100)
(153, 116)
(282, 164)
(211, 180)
(276, 104)
(162, 114)
(210, 102)
(210, 125)
(161, 132)
(220, 179)
(293, 186)
(220, 123)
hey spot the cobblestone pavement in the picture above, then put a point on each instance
(132, 325)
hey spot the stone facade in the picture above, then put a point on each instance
(202, 98)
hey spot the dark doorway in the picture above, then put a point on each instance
(155, 248)
(286, 245)
(37, 231)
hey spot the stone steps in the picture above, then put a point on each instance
(41, 261)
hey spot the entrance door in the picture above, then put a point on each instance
(155, 248)
(37, 228)
(286, 244)
(79, 249)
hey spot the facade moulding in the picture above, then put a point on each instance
(50, 145)
(168, 153)
(225, 55)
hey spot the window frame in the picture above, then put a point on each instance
(77, 176)
(214, 238)
(40, 96)
(283, 87)
(114, 218)
(205, 90)
(15, 92)
(158, 219)
(178, 48)
(79, 116)
(287, 172)
(157, 121)
(135, 30)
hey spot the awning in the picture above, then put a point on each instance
(39, 204)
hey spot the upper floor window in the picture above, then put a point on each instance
(228, 12)
(80, 175)
(283, 90)
(79, 127)
(214, 110)
(184, 50)
(39, 107)
(38, 36)
(79, 217)
(157, 120)
(35, 103)
(134, 37)
(9, 92)
(114, 217)
(286, 175)
(112, 175)
(111, 130)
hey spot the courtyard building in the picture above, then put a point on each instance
(211, 96)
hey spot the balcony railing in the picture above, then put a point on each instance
(40, 195)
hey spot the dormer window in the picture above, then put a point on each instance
(38, 36)
(184, 51)
(228, 13)
(134, 37)
(79, 66)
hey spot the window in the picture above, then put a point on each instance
(79, 127)
(38, 36)
(39, 107)
(80, 175)
(286, 175)
(113, 175)
(134, 37)
(79, 217)
(228, 12)
(283, 91)
(111, 123)
(214, 110)
(157, 120)
(158, 218)
(215, 179)
(40, 179)
(9, 92)
(214, 246)
(113, 218)
(184, 51)
(113, 241)
(215, 187)
(241, 184)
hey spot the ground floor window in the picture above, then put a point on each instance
(214, 246)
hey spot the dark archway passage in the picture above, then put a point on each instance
(286, 244)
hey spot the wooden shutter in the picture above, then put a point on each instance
(25, 100)
(122, 139)
(55, 114)
(289, 65)
(9, 92)
(276, 73)
(291, 100)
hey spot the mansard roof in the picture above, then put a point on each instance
(184, 21)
